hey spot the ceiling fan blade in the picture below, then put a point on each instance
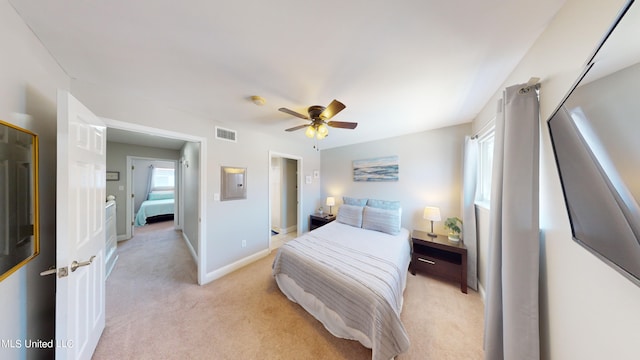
(291, 112)
(342, 124)
(297, 128)
(331, 110)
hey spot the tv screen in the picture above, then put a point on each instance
(596, 140)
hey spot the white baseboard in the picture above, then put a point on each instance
(194, 255)
(123, 237)
(282, 231)
(216, 274)
(290, 229)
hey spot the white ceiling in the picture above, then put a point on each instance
(399, 66)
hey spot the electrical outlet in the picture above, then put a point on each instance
(244, 243)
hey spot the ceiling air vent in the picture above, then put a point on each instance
(226, 134)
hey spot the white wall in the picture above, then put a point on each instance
(29, 78)
(430, 174)
(588, 310)
(191, 177)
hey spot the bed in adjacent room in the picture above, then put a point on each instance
(160, 205)
(350, 275)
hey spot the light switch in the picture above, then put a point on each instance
(216, 197)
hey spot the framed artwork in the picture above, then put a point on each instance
(376, 169)
(19, 221)
(113, 175)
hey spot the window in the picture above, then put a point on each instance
(485, 167)
(163, 178)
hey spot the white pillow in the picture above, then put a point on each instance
(384, 220)
(350, 215)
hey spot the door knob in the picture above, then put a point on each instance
(75, 265)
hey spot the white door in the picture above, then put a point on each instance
(80, 211)
(132, 200)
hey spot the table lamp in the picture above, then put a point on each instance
(433, 214)
(331, 201)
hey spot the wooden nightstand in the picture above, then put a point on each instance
(439, 256)
(317, 220)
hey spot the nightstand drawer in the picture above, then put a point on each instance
(436, 266)
(439, 257)
(316, 221)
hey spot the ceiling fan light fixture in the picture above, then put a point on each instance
(310, 132)
(323, 130)
(318, 115)
(258, 100)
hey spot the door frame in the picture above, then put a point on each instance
(299, 192)
(177, 219)
(202, 190)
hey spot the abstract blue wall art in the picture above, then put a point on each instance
(376, 169)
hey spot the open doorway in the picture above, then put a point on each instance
(285, 184)
(154, 191)
(190, 184)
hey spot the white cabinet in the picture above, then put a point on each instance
(111, 237)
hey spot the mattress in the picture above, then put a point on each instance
(351, 280)
(151, 208)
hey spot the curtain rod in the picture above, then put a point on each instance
(533, 81)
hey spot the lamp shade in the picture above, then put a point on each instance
(331, 201)
(432, 213)
(310, 132)
(323, 130)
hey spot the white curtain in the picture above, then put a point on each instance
(511, 309)
(469, 184)
(149, 182)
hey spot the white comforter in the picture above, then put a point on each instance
(352, 280)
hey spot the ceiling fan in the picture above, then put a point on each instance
(319, 116)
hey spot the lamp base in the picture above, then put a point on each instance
(431, 233)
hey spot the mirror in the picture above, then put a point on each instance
(595, 139)
(19, 236)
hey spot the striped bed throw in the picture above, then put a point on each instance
(363, 289)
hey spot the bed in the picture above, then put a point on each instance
(159, 205)
(350, 275)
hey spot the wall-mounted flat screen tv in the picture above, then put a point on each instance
(596, 139)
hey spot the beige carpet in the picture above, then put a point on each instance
(155, 310)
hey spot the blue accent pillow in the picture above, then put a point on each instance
(384, 220)
(384, 204)
(353, 201)
(350, 215)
